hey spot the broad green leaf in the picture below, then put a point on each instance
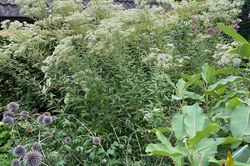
(208, 73)
(194, 96)
(224, 82)
(208, 143)
(230, 31)
(178, 126)
(194, 119)
(202, 158)
(244, 50)
(212, 127)
(240, 121)
(240, 152)
(163, 150)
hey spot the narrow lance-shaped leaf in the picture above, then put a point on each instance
(230, 31)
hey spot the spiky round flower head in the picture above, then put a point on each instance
(8, 120)
(47, 134)
(16, 162)
(9, 113)
(96, 140)
(36, 146)
(127, 122)
(46, 114)
(67, 140)
(20, 150)
(24, 114)
(32, 158)
(47, 120)
(12, 106)
(40, 119)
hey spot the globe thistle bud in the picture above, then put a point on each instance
(24, 114)
(33, 158)
(46, 114)
(40, 119)
(12, 106)
(16, 162)
(8, 120)
(96, 140)
(20, 150)
(67, 140)
(36, 147)
(9, 113)
(47, 134)
(127, 122)
(47, 120)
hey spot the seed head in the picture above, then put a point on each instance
(12, 106)
(40, 119)
(16, 162)
(9, 113)
(47, 120)
(67, 140)
(8, 120)
(47, 134)
(24, 114)
(32, 158)
(96, 140)
(46, 114)
(20, 150)
(36, 147)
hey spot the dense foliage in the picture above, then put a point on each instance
(102, 72)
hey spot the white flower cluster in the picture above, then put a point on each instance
(223, 57)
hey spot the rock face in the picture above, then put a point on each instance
(11, 11)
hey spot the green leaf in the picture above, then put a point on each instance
(234, 102)
(212, 127)
(208, 73)
(244, 50)
(194, 119)
(208, 143)
(162, 130)
(163, 150)
(194, 96)
(181, 87)
(178, 126)
(227, 97)
(223, 82)
(230, 31)
(202, 158)
(240, 121)
(228, 71)
(240, 152)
